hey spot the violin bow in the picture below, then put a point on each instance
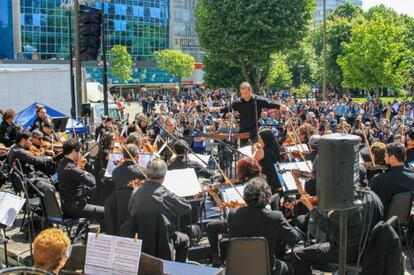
(226, 178)
(128, 152)
(294, 138)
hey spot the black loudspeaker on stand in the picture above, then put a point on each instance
(336, 175)
(337, 171)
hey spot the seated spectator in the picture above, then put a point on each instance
(51, 250)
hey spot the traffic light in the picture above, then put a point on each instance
(90, 33)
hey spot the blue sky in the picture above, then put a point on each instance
(400, 6)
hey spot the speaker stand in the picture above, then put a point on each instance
(343, 215)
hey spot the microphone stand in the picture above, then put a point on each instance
(185, 144)
(25, 183)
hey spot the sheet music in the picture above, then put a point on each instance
(229, 194)
(108, 254)
(205, 158)
(300, 147)
(246, 150)
(144, 159)
(286, 179)
(10, 206)
(111, 165)
(182, 182)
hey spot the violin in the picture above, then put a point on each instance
(81, 163)
(290, 205)
(232, 204)
(35, 152)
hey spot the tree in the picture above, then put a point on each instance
(249, 32)
(176, 63)
(121, 64)
(338, 30)
(302, 64)
(279, 77)
(220, 72)
(376, 56)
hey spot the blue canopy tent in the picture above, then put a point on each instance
(27, 116)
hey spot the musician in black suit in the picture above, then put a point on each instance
(154, 199)
(8, 129)
(256, 220)
(397, 179)
(77, 187)
(182, 162)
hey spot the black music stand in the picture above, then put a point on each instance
(59, 124)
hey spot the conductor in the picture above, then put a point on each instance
(249, 106)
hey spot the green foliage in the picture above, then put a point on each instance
(249, 32)
(220, 72)
(376, 56)
(121, 63)
(347, 10)
(279, 77)
(301, 91)
(302, 63)
(175, 62)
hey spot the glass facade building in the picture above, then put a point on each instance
(6, 30)
(331, 5)
(141, 25)
(182, 28)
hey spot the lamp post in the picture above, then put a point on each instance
(324, 91)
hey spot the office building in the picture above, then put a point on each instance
(331, 5)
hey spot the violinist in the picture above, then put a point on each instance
(142, 123)
(103, 128)
(8, 129)
(20, 154)
(77, 187)
(409, 140)
(40, 119)
(40, 147)
(256, 220)
(181, 160)
(47, 130)
(361, 220)
(267, 153)
(247, 169)
(152, 198)
(378, 150)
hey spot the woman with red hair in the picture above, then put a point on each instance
(247, 168)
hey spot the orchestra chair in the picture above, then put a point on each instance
(154, 231)
(368, 259)
(54, 215)
(246, 256)
(401, 205)
(75, 264)
(18, 186)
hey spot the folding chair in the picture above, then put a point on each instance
(54, 215)
(247, 256)
(400, 206)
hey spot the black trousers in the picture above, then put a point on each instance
(213, 230)
(181, 245)
(318, 255)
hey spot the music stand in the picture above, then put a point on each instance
(59, 124)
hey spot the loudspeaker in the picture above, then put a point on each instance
(337, 171)
(90, 33)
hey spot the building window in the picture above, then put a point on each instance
(120, 9)
(120, 25)
(138, 11)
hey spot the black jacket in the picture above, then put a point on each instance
(125, 173)
(27, 161)
(396, 180)
(182, 162)
(248, 115)
(73, 183)
(153, 198)
(383, 254)
(261, 222)
(7, 133)
(155, 231)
